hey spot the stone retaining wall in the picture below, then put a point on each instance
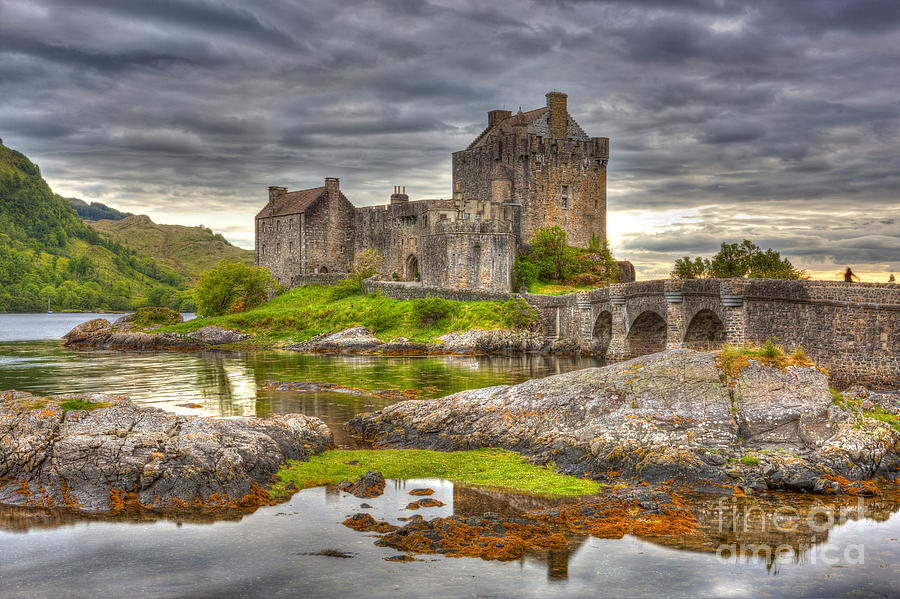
(411, 290)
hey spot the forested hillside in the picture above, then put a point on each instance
(96, 210)
(186, 250)
(48, 253)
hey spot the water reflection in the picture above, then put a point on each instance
(232, 384)
(282, 551)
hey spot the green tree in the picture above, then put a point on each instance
(551, 252)
(738, 260)
(687, 268)
(232, 287)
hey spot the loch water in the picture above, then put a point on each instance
(832, 546)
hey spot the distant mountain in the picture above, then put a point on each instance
(96, 210)
(186, 250)
(48, 253)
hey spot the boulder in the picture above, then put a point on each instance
(478, 341)
(216, 335)
(88, 330)
(120, 455)
(670, 415)
(352, 340)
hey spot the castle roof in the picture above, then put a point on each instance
(294, 202)
(536, 120)
(505, 127)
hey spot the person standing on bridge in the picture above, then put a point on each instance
(849, 276)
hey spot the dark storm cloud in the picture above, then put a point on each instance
(188, 109)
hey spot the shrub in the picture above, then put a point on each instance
(365, 265)
(151, 316)
(429, 311)
(232, 287)
(345, 289)
(518, 314)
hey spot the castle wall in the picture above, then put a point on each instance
(279, 243)
(328, 233)
(469, 255)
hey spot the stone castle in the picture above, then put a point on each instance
(523, 172)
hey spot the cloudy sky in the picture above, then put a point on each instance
(774, 121)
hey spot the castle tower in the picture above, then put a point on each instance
(555, 173)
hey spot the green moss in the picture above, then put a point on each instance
(886, 417)
(151, 316)
(302, 313)
(78, 404)
(750, 460)
(483, 467)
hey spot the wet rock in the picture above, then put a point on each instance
(366, 523)
(426, 502)
(641, 512)
(121, 455)
(370, 484)
(216, 335)
(100, 333)
(487, 538)
(422, 492)
(670, 415)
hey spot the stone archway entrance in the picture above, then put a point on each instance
(412, 268)
(706, 331)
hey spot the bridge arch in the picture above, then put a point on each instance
(602, 333)
(705, 331)
(647, 334)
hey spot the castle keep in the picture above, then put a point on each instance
(523, 172)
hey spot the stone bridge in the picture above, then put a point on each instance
(851, 329)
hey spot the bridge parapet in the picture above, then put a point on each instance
(852, 329)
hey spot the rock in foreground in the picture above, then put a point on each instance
(674, 416)
(121, 455)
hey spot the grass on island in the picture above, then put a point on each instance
(302, 313)
(854, 406)
(733, 358)
(78, 404)
(483, 467)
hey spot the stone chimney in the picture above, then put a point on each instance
(274, 193)
(399, 196)
(332, 186)
(556, 102)
(495, 116)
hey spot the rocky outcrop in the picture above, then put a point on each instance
(477, 341)
(124, 334)
(352, 340)
(673, 415)
(117, 455)
(370, 484)
(216, 335)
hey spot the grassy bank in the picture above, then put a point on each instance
(484, 467)
(302, 313)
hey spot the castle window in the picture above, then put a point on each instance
(457, 186)
(466, 216)
(263, 250)
(277, 248)
(477, 216)
(291, 246)
(565, 196)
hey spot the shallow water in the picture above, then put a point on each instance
(270, 553)
(743, 549)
